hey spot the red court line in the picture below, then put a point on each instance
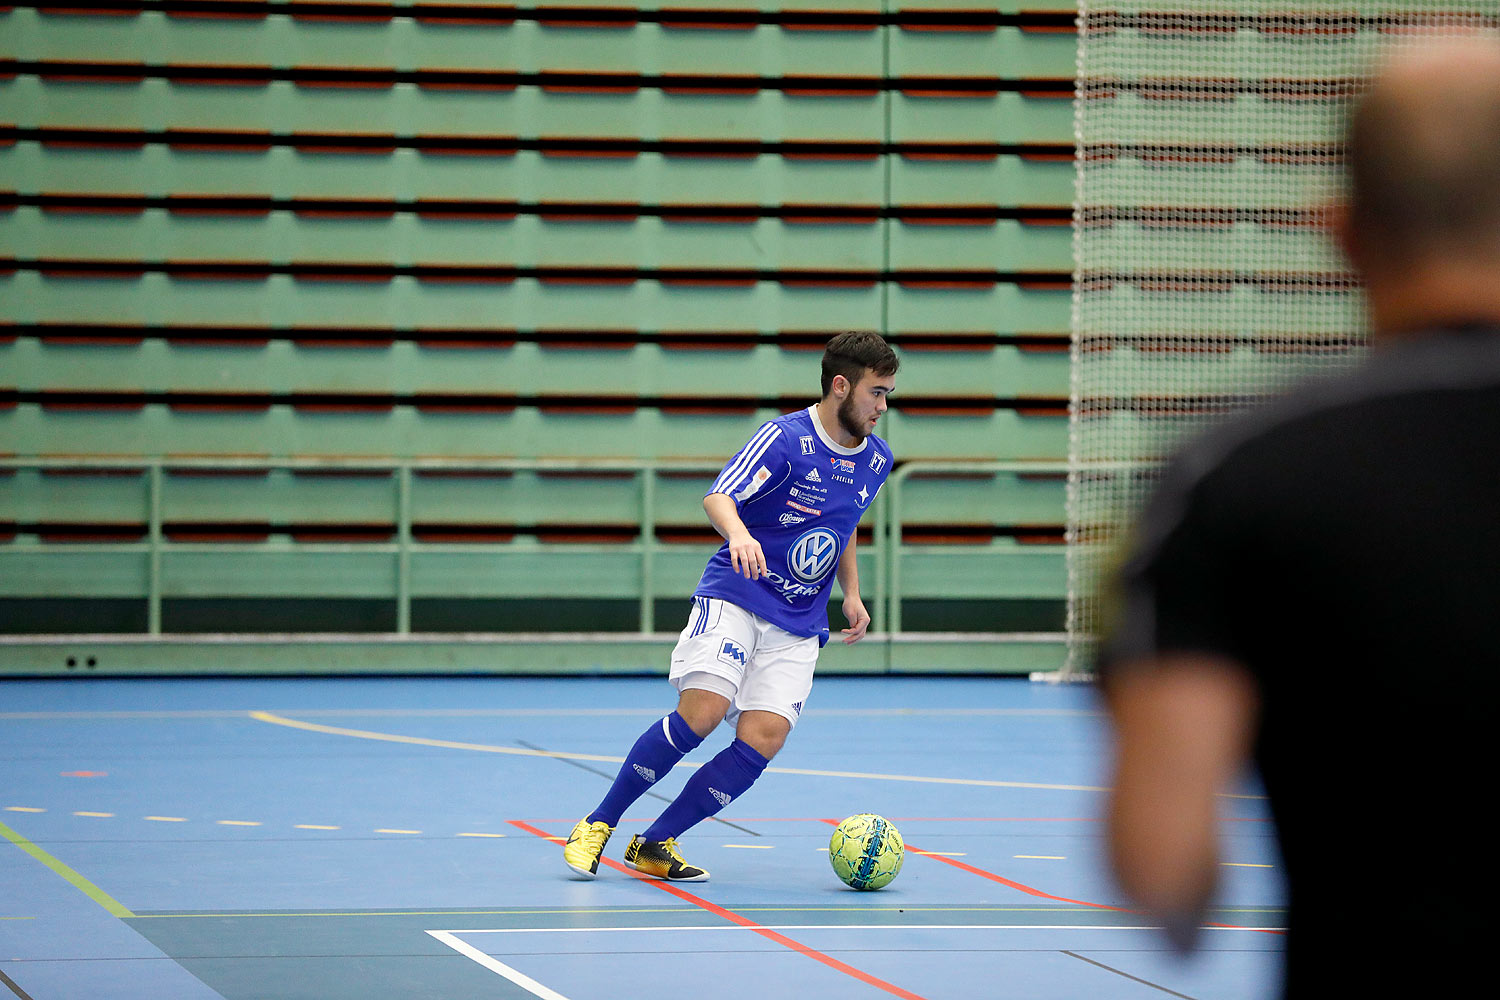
(1060, 899)
(1031, 891)
(1001, 879)
(745, 922)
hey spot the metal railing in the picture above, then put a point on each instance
(888, 546)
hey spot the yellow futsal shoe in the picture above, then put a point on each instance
(584, 846)
(659, 859)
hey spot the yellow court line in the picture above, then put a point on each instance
(421, 741)
(77, 881)
(365, 734)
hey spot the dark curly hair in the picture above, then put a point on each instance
(849, 354)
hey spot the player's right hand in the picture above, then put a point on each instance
(746, 557)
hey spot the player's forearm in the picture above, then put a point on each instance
(724, 515)
(847, 573)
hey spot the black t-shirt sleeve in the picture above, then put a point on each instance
(1181, 587)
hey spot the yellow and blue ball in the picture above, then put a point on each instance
(866, 851)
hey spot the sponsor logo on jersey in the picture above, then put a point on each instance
(732, 652)
(843, 465)
(813, 477)
(844, 479)
(805, 495)
(645, 772)
(877, 462)
(807, 444)
(813, 554)
(791, 589)
(789, 519)
(806, 510)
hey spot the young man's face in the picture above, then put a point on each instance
(865, 403)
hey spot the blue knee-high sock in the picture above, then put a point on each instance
(660, 746)
(717, 783)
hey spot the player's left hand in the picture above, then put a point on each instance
(859, 620)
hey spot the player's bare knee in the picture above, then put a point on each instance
(702, 710)
(765, 732)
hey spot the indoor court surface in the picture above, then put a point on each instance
(353, 839)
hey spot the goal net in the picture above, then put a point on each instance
(1208, 144)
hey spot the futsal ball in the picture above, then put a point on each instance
(866, 851)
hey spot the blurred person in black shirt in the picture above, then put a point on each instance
(1314, 586)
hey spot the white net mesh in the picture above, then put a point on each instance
(1208, 144)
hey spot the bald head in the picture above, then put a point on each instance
(1424, 154)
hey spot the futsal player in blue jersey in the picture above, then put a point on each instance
(787, 506)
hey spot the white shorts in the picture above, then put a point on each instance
(758, 666)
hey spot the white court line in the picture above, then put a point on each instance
(496, 966)
(835, 927)
(451, 939)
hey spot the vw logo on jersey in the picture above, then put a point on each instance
(813, 554)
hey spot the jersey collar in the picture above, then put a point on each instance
(835, 447)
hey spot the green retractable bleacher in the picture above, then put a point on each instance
(583, 249)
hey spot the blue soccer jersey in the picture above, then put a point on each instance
(801, 495)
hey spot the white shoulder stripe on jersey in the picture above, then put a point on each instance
(732, 478)
(737, 464)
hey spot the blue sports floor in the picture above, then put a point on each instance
(354, 839)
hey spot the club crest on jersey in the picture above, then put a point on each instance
(807, 444)
(813, 554)
(756, 482)
(732, 653)
(863, 497)
(877, 462)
